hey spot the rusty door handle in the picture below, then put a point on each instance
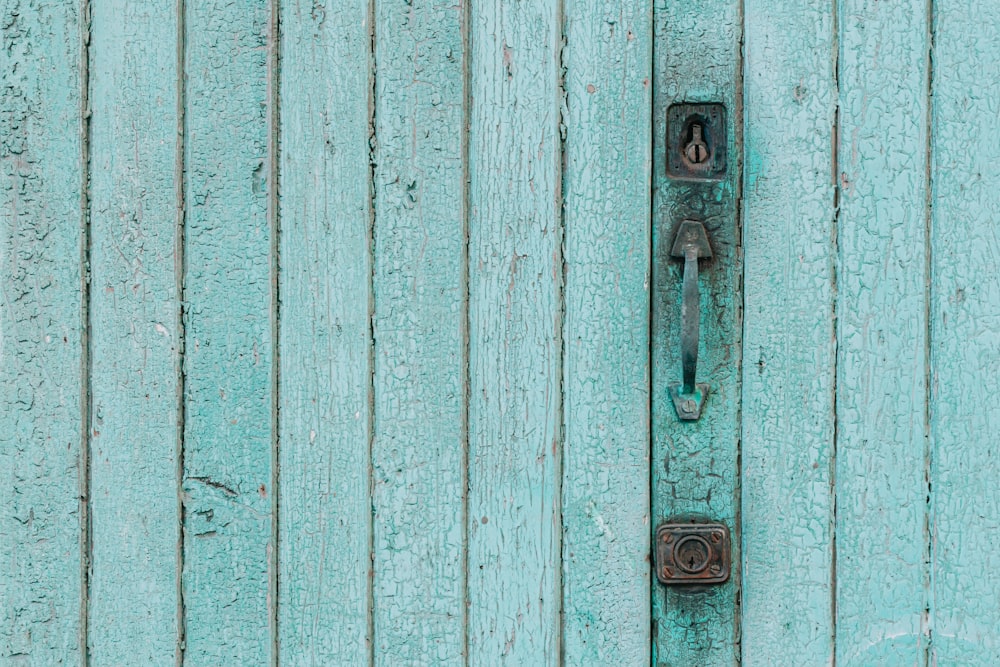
(691, 244)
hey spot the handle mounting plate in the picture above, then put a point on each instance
(691, 235)
(688, 406)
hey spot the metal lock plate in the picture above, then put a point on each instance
(696, 141)
(692, 553)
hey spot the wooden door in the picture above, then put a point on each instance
(341, 333)
(854, 449)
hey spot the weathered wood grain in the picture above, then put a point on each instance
(515, 314)
(420, 326)
(42, 476)
(965, 334)
(695, 464)
(136, 334)
(227, 361)
(399, 350)
(881, 488)
(788, 371)
(325, 368)
(605, 499)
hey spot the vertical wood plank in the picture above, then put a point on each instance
(514, 311)
(882, 279)
(227, 442)
(607, 60)
(325, 373)
(788, 377)
(965, 330)
(136, 335)
(695, 464)
(42, 387)
(420, 325)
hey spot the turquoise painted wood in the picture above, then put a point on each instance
(419, 460)
(135, 336)
(325, 386)
(516, 275)
(964, 337)
(789, 420)
(43, 402)
(880, 469)
(340, 333)
(228, 353)
(605, 463)
(695, 465)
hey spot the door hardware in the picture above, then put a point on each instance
(691, 244)
(692, 553)
(696, 151)
(696, 141)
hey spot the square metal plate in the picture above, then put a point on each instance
(711, 119)
(692, 553)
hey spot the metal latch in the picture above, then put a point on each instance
(692, 553)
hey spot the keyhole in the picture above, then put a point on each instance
(696, 150)
(692, 554)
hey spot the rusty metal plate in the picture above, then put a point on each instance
(696, 141)
(692, 553)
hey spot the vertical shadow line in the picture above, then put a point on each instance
(928, 620)
(650, 484)
(180, 273)
(737, 567)
(560, 421)
(466, 323)
(86, 532)
(834, 303)
(274, 224)
(372, 218)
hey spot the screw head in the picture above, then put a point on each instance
(666, 572)
(689, 405)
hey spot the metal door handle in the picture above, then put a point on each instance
(691, 244)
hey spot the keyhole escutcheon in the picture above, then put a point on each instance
(696, 141)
